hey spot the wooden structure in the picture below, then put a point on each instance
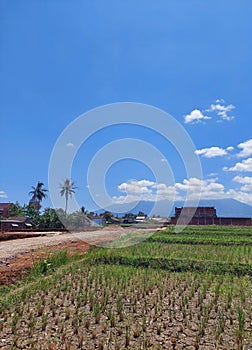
(206, 216)
(15, 224)
(5, 210)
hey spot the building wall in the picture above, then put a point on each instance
(205, 216)
(196, 212)
(234, 221)
(4, 210)
(7, 226)
(215, 221)
(99, 220)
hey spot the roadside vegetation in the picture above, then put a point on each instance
(49, 218)
(168, 292)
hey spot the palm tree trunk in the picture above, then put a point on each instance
(66, 203)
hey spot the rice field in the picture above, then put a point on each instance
(159, 294)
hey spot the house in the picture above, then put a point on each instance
(15, 223)
(114, 220)
(196, 212)
(101, 220)
(162, 221)
(205, 216)
(5, 210)
(98, 219)
(129, 220)
(140, 219)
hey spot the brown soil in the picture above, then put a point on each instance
(99, 308)
(6, 236)
(19, 251)
(18, 267)
(178, 311)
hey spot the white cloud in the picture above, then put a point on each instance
(3, 194)
(240, 196)
(220, 100)
(150, 191)
(196, 116)
(144, 190)
(136, 187)
(212, 174)
(213, 151)
(246, 149)
(245, 165)
(246, 181)
(230, 148)
(164, 190)
(145, 183)
(211, 189)
(193, 189)
(70, 144)
(206, 189)
(221, 110)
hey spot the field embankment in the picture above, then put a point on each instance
(163, 293)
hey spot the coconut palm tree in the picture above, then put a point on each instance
(38, 193)
(67, 189)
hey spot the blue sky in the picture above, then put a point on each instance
(192, 59)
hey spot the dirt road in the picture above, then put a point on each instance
(10, 249)
(17, 256)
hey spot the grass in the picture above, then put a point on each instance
(201, 252)
(198, 248)
(215, 235)
(44, 267)
(165, 292)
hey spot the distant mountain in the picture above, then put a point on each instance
(229, 208)
(165, 208)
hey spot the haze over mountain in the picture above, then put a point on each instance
(165, 208)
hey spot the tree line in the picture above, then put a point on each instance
(49, 217)
(59, 218)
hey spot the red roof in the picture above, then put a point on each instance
(115, 219)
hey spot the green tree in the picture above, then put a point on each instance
(49, 219)
(38, 193)
(129, 215)
(107, 215)
(17, 210)
(141, 213)
(84, 210)
(33, 214)
(67, 189)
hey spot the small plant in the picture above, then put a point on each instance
(94, 334)
(136, 332)
(101, 344)
(159, 329)
(80, 340)
(68, 313)
(87, 324)
(240, 331)
(173, 342)
(127, 338)
(44, 322)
